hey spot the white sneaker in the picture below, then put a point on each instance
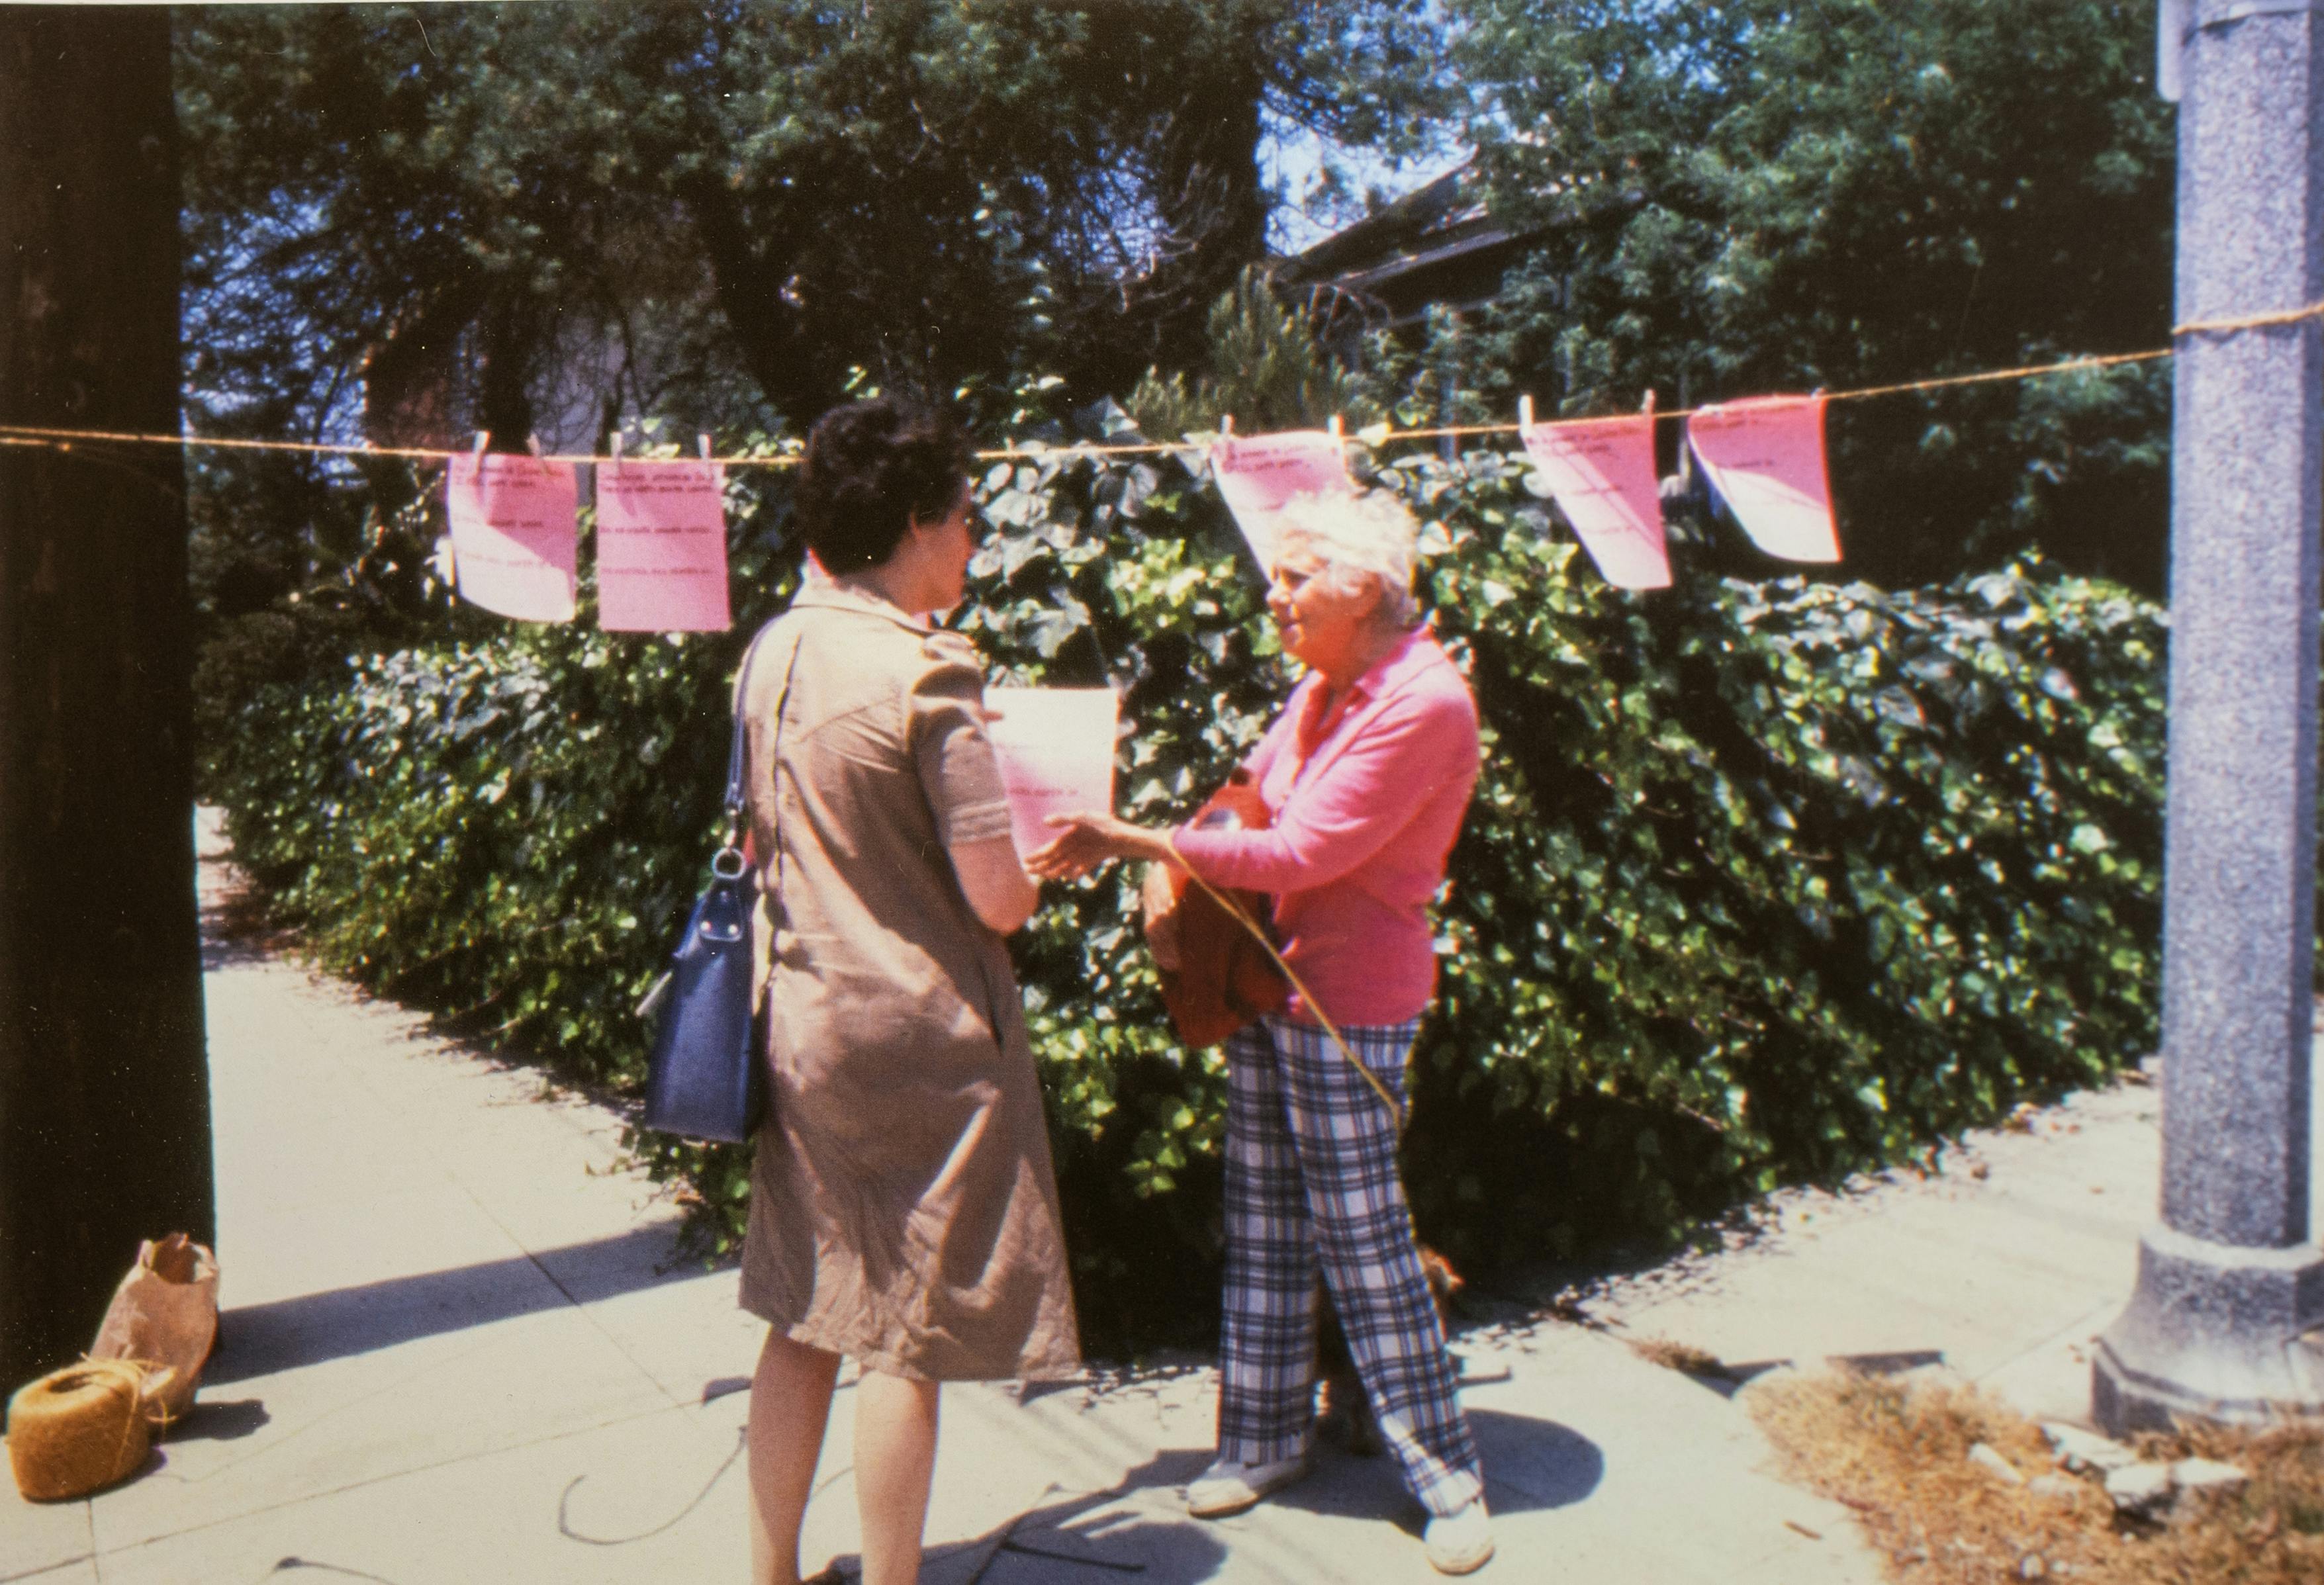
(1461, 1542)
(1230, 1486)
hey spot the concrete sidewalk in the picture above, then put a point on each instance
(457, 1347)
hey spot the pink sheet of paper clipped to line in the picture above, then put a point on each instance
(513, 540)
(1602, 474)
(661, 547)
(1258, 475)
(1055, 749)
(1765, 459)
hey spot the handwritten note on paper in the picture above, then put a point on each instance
(1258, 475)
(1764, 457)
(661, 547)
(1055, 749)
(513, 549)
(1602, 474)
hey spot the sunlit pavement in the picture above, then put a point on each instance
(459, 1345)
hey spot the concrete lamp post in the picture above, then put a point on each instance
(2223, 1323)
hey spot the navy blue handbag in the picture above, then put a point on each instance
(704, 1078)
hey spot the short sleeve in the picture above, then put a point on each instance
(945, 727)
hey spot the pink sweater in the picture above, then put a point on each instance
(1364, 821)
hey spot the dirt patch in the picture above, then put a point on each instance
(1898, 1454)
(1682, 1357)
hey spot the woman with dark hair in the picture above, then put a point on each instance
(903, 1208)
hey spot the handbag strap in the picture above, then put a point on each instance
(735, 748)
(736, 800)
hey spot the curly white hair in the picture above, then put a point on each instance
(1373, 533)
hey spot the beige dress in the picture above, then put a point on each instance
(903, 1207)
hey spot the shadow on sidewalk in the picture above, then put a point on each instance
(1138, 1532)
(1530, 1464)
(1130, 1532)
(259, 1340)
(235, 930)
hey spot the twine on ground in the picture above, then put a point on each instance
(565, 1501)
(80, 1429)
(60, 439)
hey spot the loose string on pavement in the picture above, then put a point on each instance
(62, 439)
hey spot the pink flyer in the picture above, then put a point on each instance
(1258, 475)
(513, 541)
(1602, 474)
(1055, 749)
(1765, 459)
(661, 547)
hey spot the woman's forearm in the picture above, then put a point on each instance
(999, 891)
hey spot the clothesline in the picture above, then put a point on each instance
(63, 439)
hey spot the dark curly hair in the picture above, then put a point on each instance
(872, 467)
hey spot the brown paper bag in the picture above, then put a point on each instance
(164, 1316)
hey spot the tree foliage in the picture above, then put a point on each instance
(559, 217)
(1265, 369)
(1763, 196)
(555, 216)
(731, 202)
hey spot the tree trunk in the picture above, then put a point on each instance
(1213, 198)
(510, 346)
(748, 280)
(104, 1126)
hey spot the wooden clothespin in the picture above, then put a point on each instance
(1524, 415)
(1336, 430)
(483, 439)
(616, 448)
(532, 444)
(703, 442)
(1647, 406)
(1226, 426)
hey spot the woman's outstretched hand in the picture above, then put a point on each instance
(1087, 839)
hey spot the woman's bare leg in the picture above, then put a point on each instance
(895, 1458)
(790, 1401)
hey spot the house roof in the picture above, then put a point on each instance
(1437, 245)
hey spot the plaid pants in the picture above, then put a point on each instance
(1310, 1172)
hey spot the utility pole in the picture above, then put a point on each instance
(104, 1126)
(2231, 1281)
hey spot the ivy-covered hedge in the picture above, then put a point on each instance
(1764, 881)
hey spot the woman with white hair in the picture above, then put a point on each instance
(1366, 775)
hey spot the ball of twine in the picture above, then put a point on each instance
(78, 1429)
